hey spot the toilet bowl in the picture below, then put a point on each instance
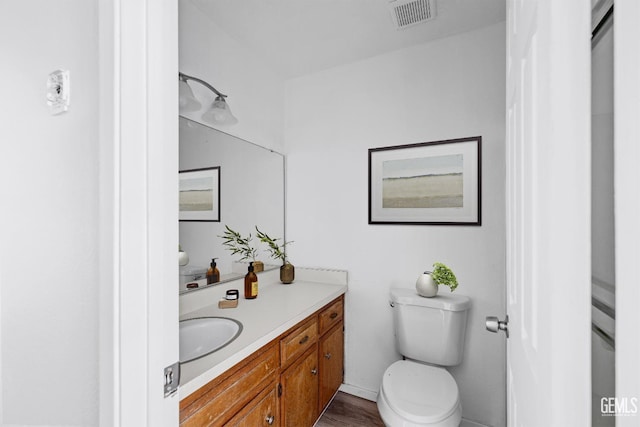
(413, 394)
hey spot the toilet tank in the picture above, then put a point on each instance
(430, 330)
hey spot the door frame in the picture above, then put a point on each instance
(627, 201)
(138, 221)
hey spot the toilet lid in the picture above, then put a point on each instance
(420, 393)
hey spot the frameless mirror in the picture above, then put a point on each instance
(247, 191)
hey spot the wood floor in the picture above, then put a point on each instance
(352, 411)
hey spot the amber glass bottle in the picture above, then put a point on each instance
(213, 274)
(250, 283)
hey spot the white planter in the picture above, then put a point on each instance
(183, 258)
(426, 286)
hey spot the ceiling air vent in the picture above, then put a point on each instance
(406, 13)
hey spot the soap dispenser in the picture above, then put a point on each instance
(213, 274)
(250, 283)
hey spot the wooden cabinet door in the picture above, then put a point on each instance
(331, 360)
(300, 391)
(261, 411)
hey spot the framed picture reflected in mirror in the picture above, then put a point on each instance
(199, 198)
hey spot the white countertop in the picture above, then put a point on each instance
(277, 308)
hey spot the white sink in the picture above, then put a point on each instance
(204, 335)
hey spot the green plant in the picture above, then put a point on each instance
(238, 244)
(443, 275)
(277, 251)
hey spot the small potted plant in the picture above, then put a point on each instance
(241, 245)
(427, 283)
(278, 251)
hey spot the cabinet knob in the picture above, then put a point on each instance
(328, 355)
(304, 340)
(314, 371)
(334, 315)
(270, 419)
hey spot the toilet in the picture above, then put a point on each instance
(429, 334)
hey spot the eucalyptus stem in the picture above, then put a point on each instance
(277, 251)
(237, 244)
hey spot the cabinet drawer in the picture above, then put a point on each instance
(223, 399)
(331, 315)
(297, 341)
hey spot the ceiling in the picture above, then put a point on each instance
(299, 37)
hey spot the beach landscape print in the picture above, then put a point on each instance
(434, 183)
(196, 195)
(426, 182)
(199, 197)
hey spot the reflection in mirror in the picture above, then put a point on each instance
(251, 194)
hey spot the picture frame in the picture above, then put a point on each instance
(427, 183)
(199, 194)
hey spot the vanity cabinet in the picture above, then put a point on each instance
(288, 382)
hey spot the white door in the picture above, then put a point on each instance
(548, 205)
(139, 211)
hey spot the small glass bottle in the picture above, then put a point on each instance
(213, 274)
(250, 283)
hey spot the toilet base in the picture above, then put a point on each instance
(392, 419)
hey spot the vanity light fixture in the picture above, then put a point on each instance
(219, 113)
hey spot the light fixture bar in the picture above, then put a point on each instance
(185, 77)
(218, 113)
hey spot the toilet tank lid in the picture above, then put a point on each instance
(449, 302)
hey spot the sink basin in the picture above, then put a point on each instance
(204, 335)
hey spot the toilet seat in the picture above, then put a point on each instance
(421, 394)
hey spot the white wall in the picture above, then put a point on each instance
(450, 88)
(255, 91)
(49, 216)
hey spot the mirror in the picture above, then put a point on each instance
(251, 181)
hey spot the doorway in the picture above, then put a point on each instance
(602, 216)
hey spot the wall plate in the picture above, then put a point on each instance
(58, 91)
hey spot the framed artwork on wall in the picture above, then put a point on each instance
(200, 195)
(428, 183)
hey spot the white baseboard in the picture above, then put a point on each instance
(467, 423)
(360, 392)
